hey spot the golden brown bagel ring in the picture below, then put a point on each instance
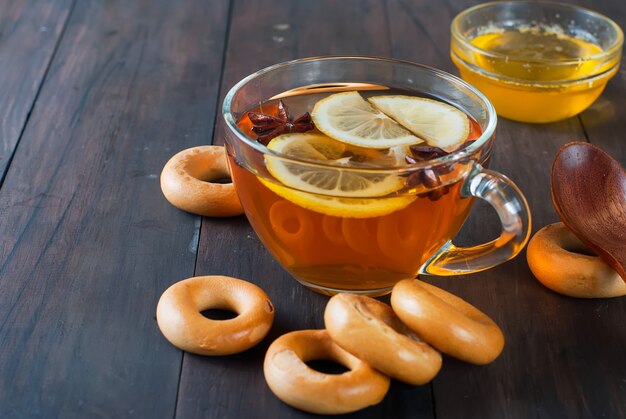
(186, 182)
(447, 322)
(292, 381)
(180, 320)
(371, 331)
(562, 263)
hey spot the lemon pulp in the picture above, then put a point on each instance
(349, 118)
(333, 190)
(440, 124)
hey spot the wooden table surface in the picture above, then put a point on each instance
(95, 97)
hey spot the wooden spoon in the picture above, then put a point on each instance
(589, 194)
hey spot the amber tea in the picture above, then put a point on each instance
(318, 237)
(356, 183)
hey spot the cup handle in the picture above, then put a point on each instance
(505, 197)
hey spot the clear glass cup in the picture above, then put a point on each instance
(538, 80)
(366, 244)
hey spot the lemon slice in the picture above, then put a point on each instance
(334, 181)
(440, 124)
(349, 118)
(332, 190)
(341, 207)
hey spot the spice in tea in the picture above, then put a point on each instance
(267, 127)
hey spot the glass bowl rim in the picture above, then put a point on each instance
(544, 84)
(450, 158)
(615, 48)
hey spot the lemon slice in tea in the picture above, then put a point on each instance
(341, 207)
(440, 124)
(332, 190)
(349, 118)
(335, 181)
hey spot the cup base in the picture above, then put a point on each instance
(332, 291)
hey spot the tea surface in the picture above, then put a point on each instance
(327, 232)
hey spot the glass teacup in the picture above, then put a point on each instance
(364, 243)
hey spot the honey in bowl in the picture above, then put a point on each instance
(533, 44)
(536, 62)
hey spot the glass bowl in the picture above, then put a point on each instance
(536, 62)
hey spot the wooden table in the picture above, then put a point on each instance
(96, 95)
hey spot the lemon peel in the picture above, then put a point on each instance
(440, 124)
(332, 190)
(349, 118)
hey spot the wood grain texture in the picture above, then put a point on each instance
(29, 33)
(88, 241)
(547, 368)
(589, 194)
(604, 120)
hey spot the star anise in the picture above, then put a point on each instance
(267, 127)
(430, 177)
(425, 152)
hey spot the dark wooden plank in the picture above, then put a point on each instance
(562, 357)
(88, 241)
(604, 120)
(264, 32)
(29, 33)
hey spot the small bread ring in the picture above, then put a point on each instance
(292, 381)
(180, 320)
(555, 256)
(447, 322)
(186, 182)
(371, 331)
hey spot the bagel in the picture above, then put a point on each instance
(186, 182)
(447, 322)
(370, 330)
(296, 384)
(181, 322)
(561, 262)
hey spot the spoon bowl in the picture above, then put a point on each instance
(588, 190)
